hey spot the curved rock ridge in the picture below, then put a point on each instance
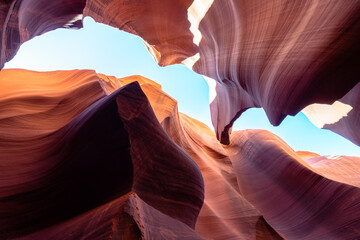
(343, 169)
(163, 25)
(85, 155)
(226, 214)
(21, 20)
(33, 104)
(58, 164)
(305, 154)
(300, 199)
(258, 187)
(278, 55)
(127, 217)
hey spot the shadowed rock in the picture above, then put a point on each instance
(52, 172)
(127, 217)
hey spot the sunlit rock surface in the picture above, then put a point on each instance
(275, 54)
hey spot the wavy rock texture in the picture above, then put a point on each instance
(300, 199)
(78, 149)
(58, 161)
(276, 54)
(273, 54)
(258, 187)
(21, 20)
(225, 213)
(106, 165)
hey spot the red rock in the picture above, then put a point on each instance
(163, 25)
(276, 54)
(343, 169)
(298, 200)
(21, 20)
(160, 162)
(79, 165)
(305, 155)
(127, 217)
(258, 163)
(272, 54)
(226, 214)
(64, 165)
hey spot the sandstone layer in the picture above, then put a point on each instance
(278, 55)
(121, 164)
(89, 156)
(64, 154)
(259, 188)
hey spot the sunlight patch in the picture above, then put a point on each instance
(322, 114)
(196, 12)
(212, 88)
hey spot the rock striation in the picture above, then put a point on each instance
(259, 188)
(63, 163)
(85, 155)
(225, 214)
(301, 199)
(21, 20)
(278, 55)
(123, 163)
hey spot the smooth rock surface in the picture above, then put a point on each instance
(298, 199)
(250, 183)
(85, 155)
(64, 153)
(278, 55)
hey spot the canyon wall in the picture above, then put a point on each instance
(278, 55)
(124, 163)
(85, 155)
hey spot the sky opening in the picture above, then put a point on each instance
(116, 53)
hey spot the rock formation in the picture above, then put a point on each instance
(299, 199)
(278, 55)
(84, 155)
(55, 168)
(127, 217)
(105, 165)
(251, 184)
(21, 20)
(225, 214)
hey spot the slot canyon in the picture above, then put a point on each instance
(88, 155)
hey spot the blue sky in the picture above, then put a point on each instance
(113, 52)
